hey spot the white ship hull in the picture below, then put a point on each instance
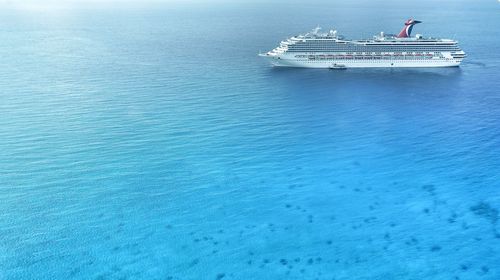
(285, 61)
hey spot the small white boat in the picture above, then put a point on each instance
(338, 66)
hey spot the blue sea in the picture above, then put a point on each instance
(147, 140)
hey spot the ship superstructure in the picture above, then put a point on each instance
(330, 50)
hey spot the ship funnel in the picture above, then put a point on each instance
(406, 32)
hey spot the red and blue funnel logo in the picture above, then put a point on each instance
(406, 32)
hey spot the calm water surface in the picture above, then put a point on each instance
(150, 142)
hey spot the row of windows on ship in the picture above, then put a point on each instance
(372, 56)
(372, 49)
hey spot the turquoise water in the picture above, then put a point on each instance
(150, 142)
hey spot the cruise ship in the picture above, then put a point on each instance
(328, 50)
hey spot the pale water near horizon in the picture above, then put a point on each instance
(150, 142)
